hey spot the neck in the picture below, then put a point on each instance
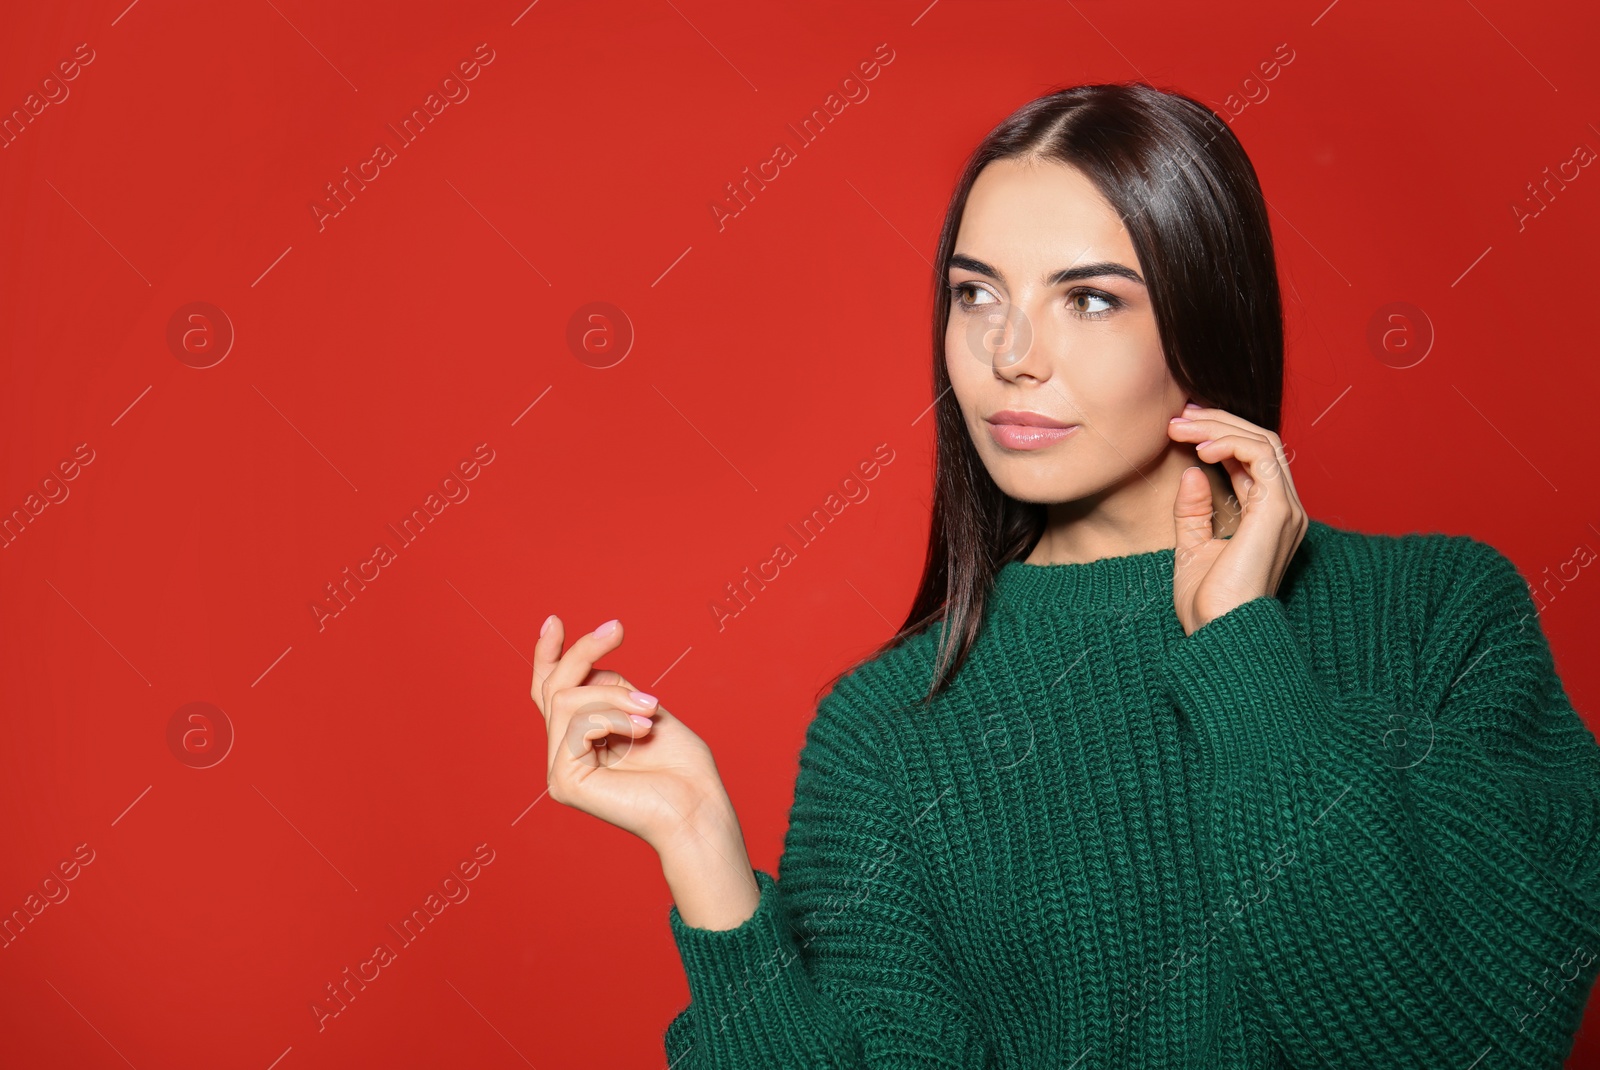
(1133, 516)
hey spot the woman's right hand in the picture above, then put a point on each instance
(652, 776)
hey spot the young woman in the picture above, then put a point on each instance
(1154, 774)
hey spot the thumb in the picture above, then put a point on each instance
(1191, 511)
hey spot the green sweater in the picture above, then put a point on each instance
(1356, 823)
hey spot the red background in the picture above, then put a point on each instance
(771, 355)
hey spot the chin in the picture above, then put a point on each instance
(1043, 487)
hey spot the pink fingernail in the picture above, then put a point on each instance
(642, 699)
(551, 619)
(605, 629)
(643, 722)
(1191, 405)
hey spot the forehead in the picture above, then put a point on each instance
(1040, 216)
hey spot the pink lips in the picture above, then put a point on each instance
(1020, 430)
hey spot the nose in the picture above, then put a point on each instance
(1012, 345)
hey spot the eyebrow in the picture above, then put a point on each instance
(1086, 271)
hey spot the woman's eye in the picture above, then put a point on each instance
(1106, 300)
(970, 295)
(960, 290)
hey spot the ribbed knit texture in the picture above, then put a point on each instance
(1351, 824)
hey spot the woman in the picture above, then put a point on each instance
(1153, 774)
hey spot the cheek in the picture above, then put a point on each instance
(1127, 392)
(966, 371)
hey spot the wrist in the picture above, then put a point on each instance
(707, 823)
(714, 894)
(709, 873)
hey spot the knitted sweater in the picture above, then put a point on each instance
(1355, 823)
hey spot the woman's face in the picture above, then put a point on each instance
(1049, 315)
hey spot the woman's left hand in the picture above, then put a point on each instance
(1212, 575)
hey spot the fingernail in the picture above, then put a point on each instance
(642, 699)
(1191, 405)
(638, 720)
(1180, 420)
(605, 629)
(551, 619)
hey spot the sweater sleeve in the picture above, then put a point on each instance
(841, 965)
(1404, 881)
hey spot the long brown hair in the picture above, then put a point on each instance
(1187, 193)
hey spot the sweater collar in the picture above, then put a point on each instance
(1128, 580)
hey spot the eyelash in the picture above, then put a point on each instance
(961, 287)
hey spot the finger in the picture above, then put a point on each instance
(1259, 471)
(546, 652)
(586, 731)
(576, 703)
(609, 676)
(1200, 428)
(1217, 421)
(1238, 476)
(1191, 512)
(573, 667)
(1202, 413)
(1258, 457)
(1207, 429)
(1265, 512)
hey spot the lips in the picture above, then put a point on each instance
(1022, 418)
(1014, 430)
